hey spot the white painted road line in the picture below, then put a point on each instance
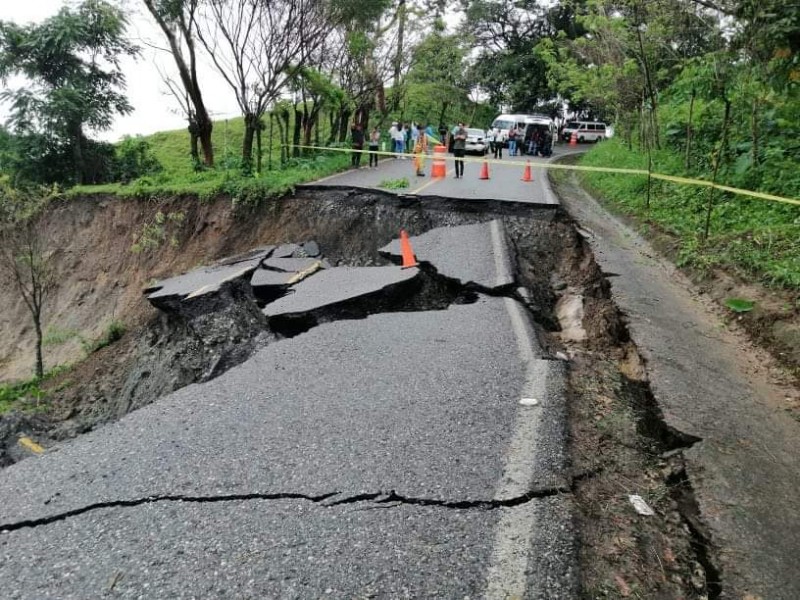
(507, 574)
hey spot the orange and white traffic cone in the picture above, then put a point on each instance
(573, 140)
(526, 175)
(484, 170)
(409, 260)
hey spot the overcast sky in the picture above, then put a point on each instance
(154, 108)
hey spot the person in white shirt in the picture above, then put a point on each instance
(393, 136)
(400, 141)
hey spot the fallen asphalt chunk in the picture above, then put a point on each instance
(476, 254)
(201, 281)
(338, 285)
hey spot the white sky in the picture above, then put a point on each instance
(154, 108)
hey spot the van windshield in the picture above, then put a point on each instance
(502, 124)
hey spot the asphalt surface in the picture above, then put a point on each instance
(466, 253)
(504, 183)
(744, 467)
(384, 457)
(337, 285)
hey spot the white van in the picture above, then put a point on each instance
(504, 123)
(588, 131)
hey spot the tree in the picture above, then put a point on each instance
(258, 47)
(506, 33)
(439, 73)
(177, 20)
(25, 259)
(72, 63)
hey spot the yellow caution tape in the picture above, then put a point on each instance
(28, 443)
(551, 165)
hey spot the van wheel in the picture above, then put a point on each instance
(581, 140)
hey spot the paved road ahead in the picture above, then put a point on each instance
(384, 457)
(505, 182)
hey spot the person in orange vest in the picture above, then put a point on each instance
(420, 150)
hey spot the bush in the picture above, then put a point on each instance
(134, 159)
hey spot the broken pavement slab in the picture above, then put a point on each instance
(201, 281)
(339, 285)
(263, 252)
(472, 254)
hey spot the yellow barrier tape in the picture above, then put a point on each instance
(551, 165)
(28, 443)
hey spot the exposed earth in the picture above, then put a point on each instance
(631, 428)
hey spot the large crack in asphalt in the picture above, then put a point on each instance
(387, 499)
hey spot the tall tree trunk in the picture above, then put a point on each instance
(37, 322)
(77, 155)
(718, 159)
(204, 128)
(250, 126)
(689, 132)
(259, 154)
(334, 122)
(754, 133)
(651, 91)
(187, 71)
(194, 141)
(394, 102)
(443, 112)
(344, 119)
(298, 128)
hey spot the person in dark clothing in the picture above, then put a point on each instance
(459, 148)
(357, 135)
(443, 134)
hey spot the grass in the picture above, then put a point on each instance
(27, 396)
(179, 176)
(755, 238)
(394, 184)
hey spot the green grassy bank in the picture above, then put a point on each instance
(756, 239)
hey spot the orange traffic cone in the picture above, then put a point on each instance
(484, 171)
(409, 260)
(526, 176)
(573, 141)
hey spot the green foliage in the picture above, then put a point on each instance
(135, 159)
(113, 333)
(66, 93)
(162, 229)
(739, 305)
(56, 336)
(753, 237)
(394, 184)
(12, 395)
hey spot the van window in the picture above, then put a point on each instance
(502, 124)
(591, 127)
(572, 125)
(601, 126)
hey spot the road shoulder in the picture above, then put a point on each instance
(744, 468)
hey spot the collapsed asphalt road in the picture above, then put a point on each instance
(410, 453)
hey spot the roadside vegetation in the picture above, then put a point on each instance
(704, 90)
(757, 239)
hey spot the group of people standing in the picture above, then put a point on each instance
(401, 137)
